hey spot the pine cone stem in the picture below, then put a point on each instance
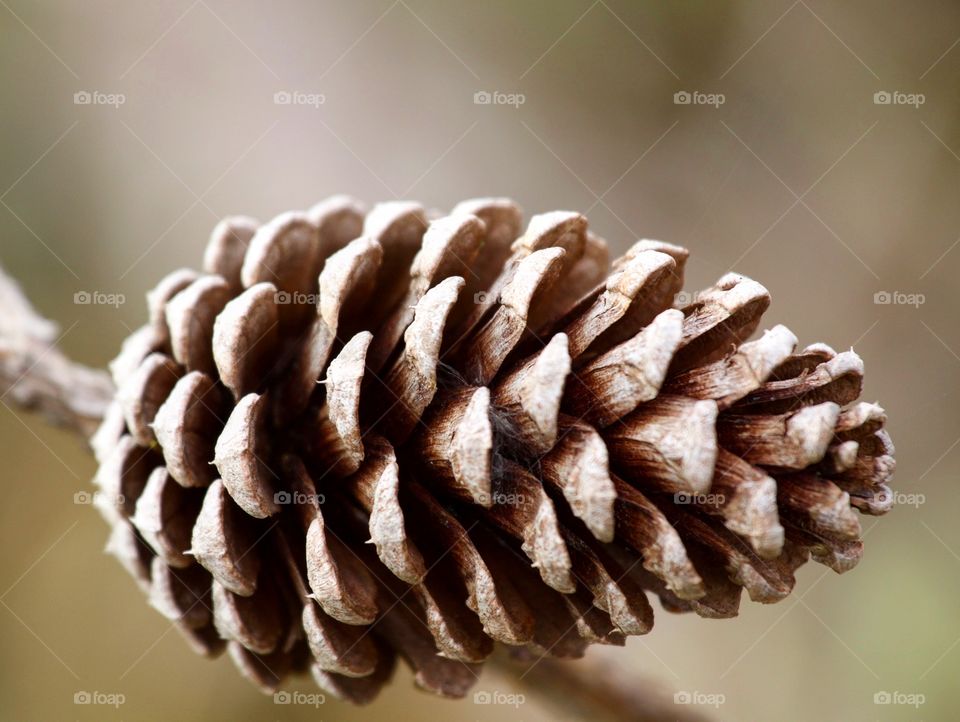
(589, 689)
(36, 375)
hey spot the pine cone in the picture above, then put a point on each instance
(531, 438)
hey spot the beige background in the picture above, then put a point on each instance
(798, 179)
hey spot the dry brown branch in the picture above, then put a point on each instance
(35, 375)
(592, 689)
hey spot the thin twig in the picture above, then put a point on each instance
(590, 689)
(36, 375)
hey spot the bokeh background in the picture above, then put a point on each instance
(798, 179)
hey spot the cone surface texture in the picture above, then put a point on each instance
(362, 436)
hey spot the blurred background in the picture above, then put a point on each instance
(814, 146)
